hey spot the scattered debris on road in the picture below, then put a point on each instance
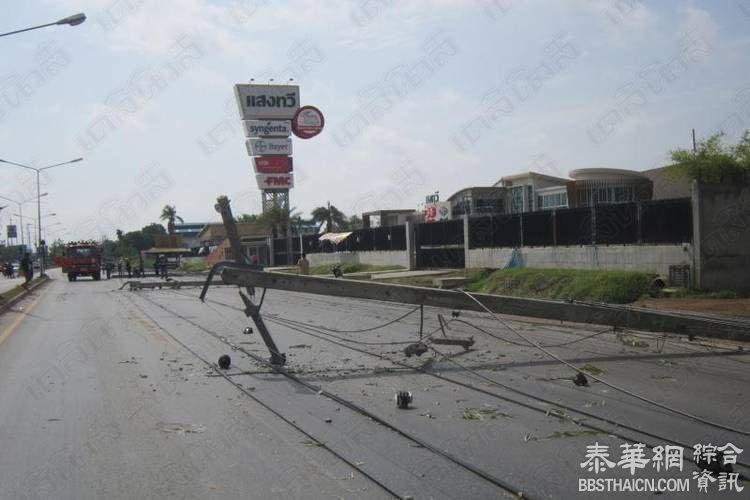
(224, 362)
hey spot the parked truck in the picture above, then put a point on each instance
(81, 258)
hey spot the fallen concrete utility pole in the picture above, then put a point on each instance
(172, 284)
(599, 314)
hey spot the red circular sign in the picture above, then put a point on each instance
(308, 122)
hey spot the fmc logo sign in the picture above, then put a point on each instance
(275, 181)
(272, 164)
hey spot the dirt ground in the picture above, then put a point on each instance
(725, 307)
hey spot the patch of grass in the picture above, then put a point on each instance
(591, 369)
(567, 434)
(630, 341)
(194, 266)
(618, 287)
(684, 293)
(352, 268)
(484, 413)
(14, 292)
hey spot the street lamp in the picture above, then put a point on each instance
(20, 209)
(49, 226)
(39, 196)
(73, 20)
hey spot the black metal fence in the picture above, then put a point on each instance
(441, 244)
(661, 221)
(361, 240)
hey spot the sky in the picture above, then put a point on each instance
(418, 95)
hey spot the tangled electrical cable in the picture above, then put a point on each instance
(603, 381)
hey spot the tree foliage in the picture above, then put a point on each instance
(247, 218)
(169, 214)
(277, 220)
(713, 161)
(130, 244)
(332, 216)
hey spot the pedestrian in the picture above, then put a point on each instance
(140, 266)
(304, 265)
(254, 259)
(164, 271)
(128, 268)
(120, 263)
(26, 268)
(108, 268)
(156, 266)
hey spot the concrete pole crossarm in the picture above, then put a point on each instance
(231, 228)
(516, 306)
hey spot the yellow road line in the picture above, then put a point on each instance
(10, 329)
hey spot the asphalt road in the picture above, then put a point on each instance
(9, 284)
(107, 393)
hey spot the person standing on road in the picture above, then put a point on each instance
(26, 268)
(108, 269)
(128, 268)
(304, 265)
(164, 267)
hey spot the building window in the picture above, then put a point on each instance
(529, 199)
(552, 200)
(516, 199)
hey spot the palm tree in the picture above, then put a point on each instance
(277, 219)
(169, 214)
(331, 215)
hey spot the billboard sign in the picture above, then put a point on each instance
(308, 122)
(257, 146)
(275, 181)
(259, 102)
(272, 164)
(12, 232)
(436, 212)
(267, 128)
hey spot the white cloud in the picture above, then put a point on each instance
(699, 22)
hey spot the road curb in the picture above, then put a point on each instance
(34, 285)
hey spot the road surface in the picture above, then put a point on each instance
(9, 284)
(107, 393)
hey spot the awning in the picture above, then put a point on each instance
(334, 238)
(168, 251)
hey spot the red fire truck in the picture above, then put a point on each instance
(81, 258)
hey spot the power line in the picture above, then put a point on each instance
(601, 380)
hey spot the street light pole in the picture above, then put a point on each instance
(38, 194)
(73, 20)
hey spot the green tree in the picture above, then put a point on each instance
(277, 220)
(154, 229)
(247, 218)
(713, 161)
(169, 214)
(332, 216)
(354, 222)
(109, 249)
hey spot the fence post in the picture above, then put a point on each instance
(520, 228)
(271, 253)
(696, 280)
(554, 227)
(593, 225)
(466, 241)
(411, 244)
(638, 216)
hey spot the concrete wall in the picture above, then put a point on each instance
(377, 258)
(721, 231)
(647, 258)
